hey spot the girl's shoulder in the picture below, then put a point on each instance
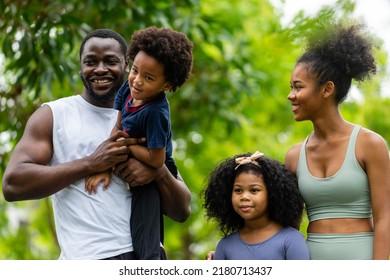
(290, 233)
(233, 236)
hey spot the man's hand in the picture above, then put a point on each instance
(136, 173)
(113, 151)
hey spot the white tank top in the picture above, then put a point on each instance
(93, 226)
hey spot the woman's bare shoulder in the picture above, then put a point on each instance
(292, 156)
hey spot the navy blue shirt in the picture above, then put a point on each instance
(150, 120)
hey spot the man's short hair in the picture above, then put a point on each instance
(105, 33)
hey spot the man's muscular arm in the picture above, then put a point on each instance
(29, 177)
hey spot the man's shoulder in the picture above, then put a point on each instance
(63, 101)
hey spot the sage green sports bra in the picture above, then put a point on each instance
(346, 194)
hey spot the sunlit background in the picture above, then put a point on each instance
(235, 101)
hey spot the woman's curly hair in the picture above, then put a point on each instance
(171, 48)
(285, 203)
(340, 52)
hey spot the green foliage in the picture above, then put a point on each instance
(236, 100)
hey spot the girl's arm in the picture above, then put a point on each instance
(297, 248)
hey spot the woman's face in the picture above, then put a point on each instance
(305, 94)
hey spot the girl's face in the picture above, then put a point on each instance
(146, 78)
(305, 95)
(249, 196)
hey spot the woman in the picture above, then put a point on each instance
(343, 169)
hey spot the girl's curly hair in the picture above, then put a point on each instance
(171, 48)
(285, 203)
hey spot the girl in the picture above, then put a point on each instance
(256, 202)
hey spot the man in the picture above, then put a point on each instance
(66, 140)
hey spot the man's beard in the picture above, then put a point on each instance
(109, 96)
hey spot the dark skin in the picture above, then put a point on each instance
(325, 152)
(29, 177)
(147, 74)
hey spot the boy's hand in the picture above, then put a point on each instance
(92, 182)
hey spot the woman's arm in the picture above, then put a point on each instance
(373, 154)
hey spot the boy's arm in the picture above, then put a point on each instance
(118, 124)
(153, 157)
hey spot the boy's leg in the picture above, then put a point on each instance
(163, 254)
(145, 222)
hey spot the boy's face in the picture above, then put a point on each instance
(146, 78)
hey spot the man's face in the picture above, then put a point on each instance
(102, 70)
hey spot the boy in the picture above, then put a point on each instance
(161, 61)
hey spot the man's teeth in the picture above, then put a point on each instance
(101, 81)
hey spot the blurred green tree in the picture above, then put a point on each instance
(235, 101)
